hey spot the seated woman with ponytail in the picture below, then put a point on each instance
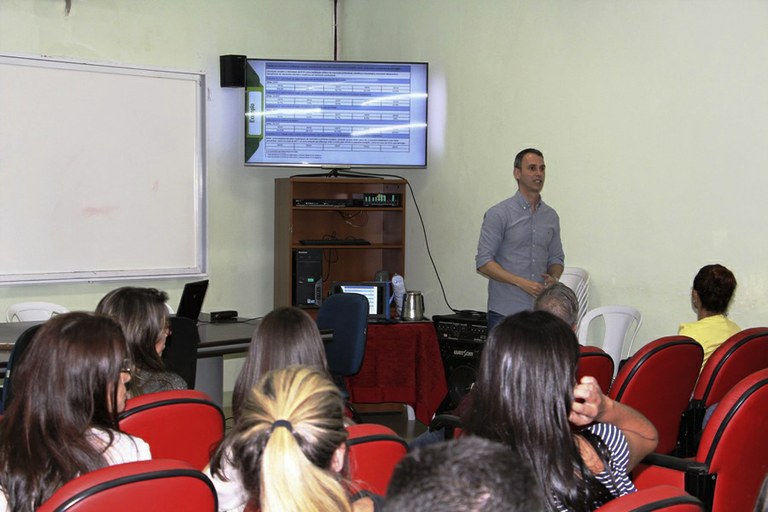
(580, 443)
(287, 451)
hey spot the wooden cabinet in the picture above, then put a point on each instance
(349, 217)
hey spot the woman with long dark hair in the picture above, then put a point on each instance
(143, 315)
(287, 336)
(580, 443)
(69, 387)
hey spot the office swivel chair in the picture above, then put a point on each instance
(180, 354)
(21, 345)
(347, 315)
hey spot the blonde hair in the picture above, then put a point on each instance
(286, 465)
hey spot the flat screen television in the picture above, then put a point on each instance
(334, 114)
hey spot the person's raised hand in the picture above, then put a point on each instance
(589, 402)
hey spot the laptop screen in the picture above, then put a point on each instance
(191, 302)
(377, 293)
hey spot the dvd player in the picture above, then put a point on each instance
(329, 203)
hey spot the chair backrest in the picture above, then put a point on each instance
(180, 354)
(662, 497)
(33, 311)
(733, 444)
(374, 451)
(150, 486)
(621, 324)
(658, 381)
(21, 345)
(183, 424)
(593, 361)
(577, 279)
(740, 355)
(347, 315)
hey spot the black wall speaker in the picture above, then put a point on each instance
(460, 360)
(232, 70)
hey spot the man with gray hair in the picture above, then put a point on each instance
(559, 300)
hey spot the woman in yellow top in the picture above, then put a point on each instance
(712, 291)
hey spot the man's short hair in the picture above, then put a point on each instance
(470, 473)
(521, 155)
(559, 300)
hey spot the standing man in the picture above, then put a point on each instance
(520, 249)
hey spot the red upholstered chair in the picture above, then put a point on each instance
(662, 497)
(732, 458)
(658, 381)
(374, 451)
(595, 362)
(742, 354)
(150, 486)
(185, 425)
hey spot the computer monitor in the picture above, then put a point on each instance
(378, 293)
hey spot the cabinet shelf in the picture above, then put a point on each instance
(350, 208)
(383, 226)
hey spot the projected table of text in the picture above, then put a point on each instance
(310, 110)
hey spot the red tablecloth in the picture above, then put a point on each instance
(402, 364)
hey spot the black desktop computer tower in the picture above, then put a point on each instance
(307, 276)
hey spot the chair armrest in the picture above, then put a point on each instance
(692, 476)
(670, 462)
(449, 422)
(690, 429)
(445, 420)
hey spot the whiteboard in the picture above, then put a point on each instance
(102, 172)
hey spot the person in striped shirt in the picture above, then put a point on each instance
(580, 443)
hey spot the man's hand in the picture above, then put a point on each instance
(530, 287)
(549, 280)
(589, 402)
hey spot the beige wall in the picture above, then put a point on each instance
(653, 117)
(186, 35)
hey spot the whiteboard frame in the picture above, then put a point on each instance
(200, 267)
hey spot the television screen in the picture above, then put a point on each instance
(335, 114)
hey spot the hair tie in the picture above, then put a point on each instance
(282, 423)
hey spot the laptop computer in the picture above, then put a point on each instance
(191, 302)
(378, 293)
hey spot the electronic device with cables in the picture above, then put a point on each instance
(461, 337)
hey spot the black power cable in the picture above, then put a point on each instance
(348, 172)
